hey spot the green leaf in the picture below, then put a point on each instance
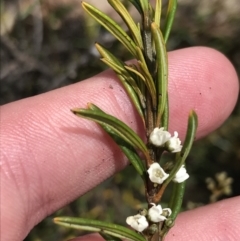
(165, 116)
(137, 5)
(125, 77)
(175, 205)
(176, 199)
(172, 6)
(127, 149)
(140, 83)
(157, 15)
(117, 126)
(122, 71)
(113, 62)
(189, 139)
(138, 100)
(108, 55)
(99, 226)
(144, 5)
(127, 74)
(162, 71)
(135, 71)
(191, 133)
(147, 76)
(133, 28)
(111, 26)
(113, 65)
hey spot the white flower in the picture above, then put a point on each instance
(156, 173)
(174, 143)
(159, 137)
(155, 213)
(181, 175)
(137, 222)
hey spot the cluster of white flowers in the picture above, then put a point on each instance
(160, 137)
(158, 175)
(155, 214)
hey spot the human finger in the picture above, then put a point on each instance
(218, 221)
(50, 157)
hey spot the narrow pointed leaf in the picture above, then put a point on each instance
(127, 81)
(120, 68)
(175, 205)
(118, 65)
(108, 55)
(144, 5)
(137, 75)
(134, 159)
(138, 101)
(99, 226)
(189, 139)
(165, 116)
(137, 5)
(141, 58)
(113, 62)
(145, 72)
(172, 6)
(157, 15)
(191, 133)
(123, 12)
(151, 11)
(128, 150)
(111, 26)
(122, 71)
(113, 65)
(162, 70)
(117, 126)
(149, 84)
(135, 71)
(176, 199)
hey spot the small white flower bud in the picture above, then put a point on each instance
(157, 174)
(159, 137)
(174, 143)
(181, 175)
(155, 213)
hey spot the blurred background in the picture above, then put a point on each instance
(47, 44)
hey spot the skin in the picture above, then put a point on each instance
(49, 157)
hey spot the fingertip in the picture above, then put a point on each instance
(218, 221)
(204, 80)
(49, 146)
